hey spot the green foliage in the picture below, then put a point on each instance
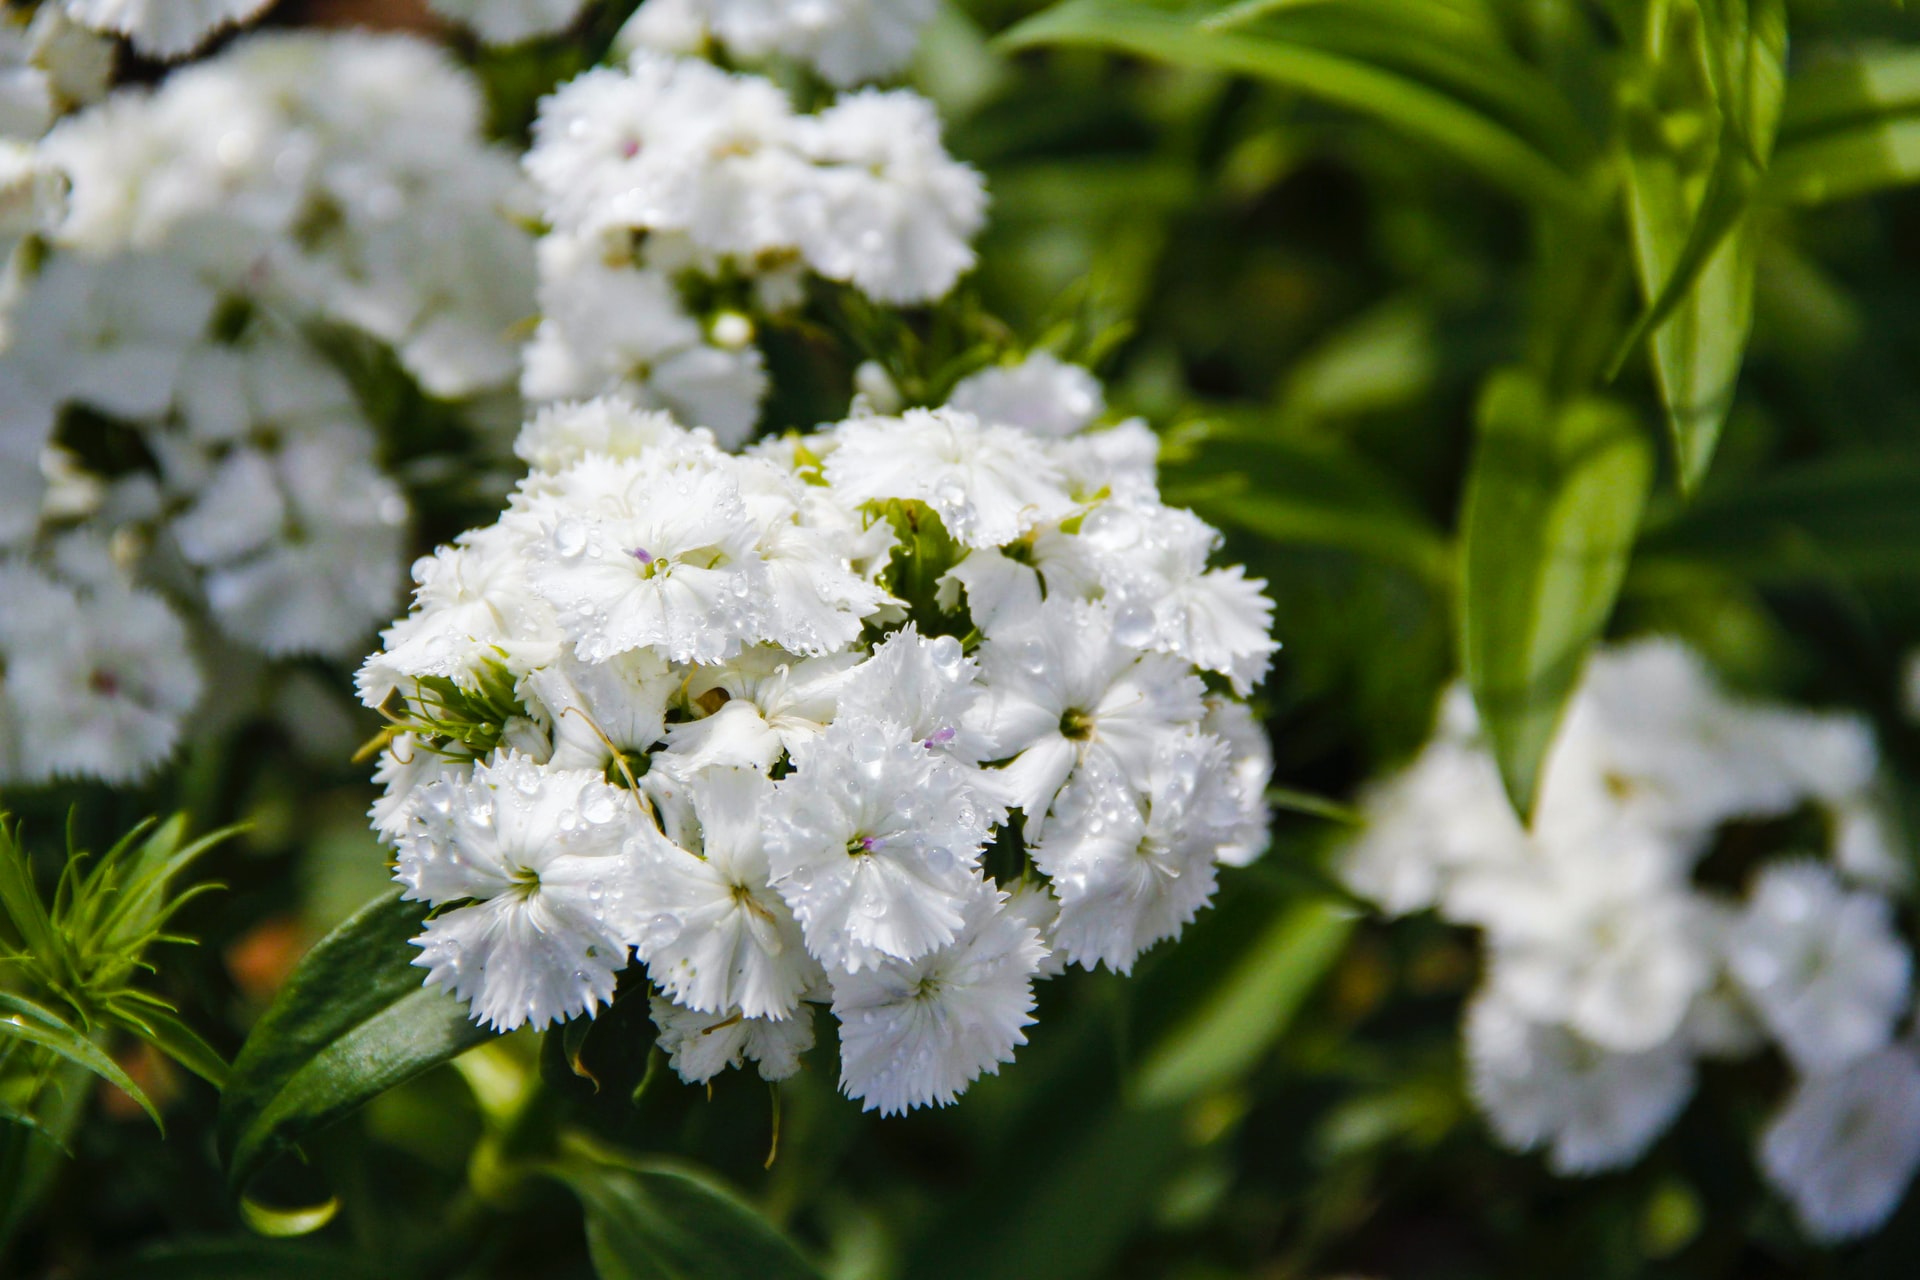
(351, 1022)
(1412, 290)
(648, 1221)
(82, 954)
(454, 718)
(1552, 507)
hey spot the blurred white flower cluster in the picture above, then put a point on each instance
(844, 41)
(169, 419)
(1613, 963)
(895, 717)
(161, 28)
(686, 203)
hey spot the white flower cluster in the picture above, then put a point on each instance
(1611, 967)
(504, 22)
(166, 416)
(845, 41)
(894, 717)
(162, 28)
(684, 200)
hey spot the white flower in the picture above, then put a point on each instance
(548, 857)
(1150, 563)
(925, 685)
(701, 1045)
(327, 569)
(670, 144)
(816, 600)
(773, 703)
(1252, 772)
(163, 28)
(113, 334)
(655, 551)
(406, 766)
(988, 484)
(101, 684)
(1121, 461)
(874, 842)
(999, 590)
(1603, 939)
(471, 604)
(1650, 737)
(1846, 1144)
(887, 210)
(1042, 394)
(715, 936)
(1822, 965)
(500, 22)
(560, 435)
(1131, 871)
(1543, 1086)
(914, 1032)
(846, 41)
(1062, 690)
(600, 710)
(614, 327)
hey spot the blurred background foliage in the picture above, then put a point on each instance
(1303, 239)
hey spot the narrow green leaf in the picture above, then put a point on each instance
(1850, 89)
(1553, 500)
(649, 1221)
(19, 897)
(163, 1030)
(1690, 208)
(1291, 801)
(23, 1020)
(1250, 1009)
(1500, 154)
(351, 1022)
(1297, 495)
(1855, 517)
(1848, 162)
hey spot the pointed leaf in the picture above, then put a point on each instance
(1690, 207)
(654, 1222)
(162, 1028)
(23, 1020)
(1553, 500)
(1854, 517)
(352, 1021)
(1250, 1009)
(1431, 115)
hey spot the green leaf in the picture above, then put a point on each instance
(1851, 127)
(648, 1221)
(167, 1033)
(1250, 1009)
(351, 1022)
(1304, 802)
(1553, 500)
(1855, 517)
(23, 1020)
(1697, 150)
(1294, 494)
(20, 899)
(1423, 112)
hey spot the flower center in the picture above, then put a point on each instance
(105, 683)
(651, 566)
(1076, 724)
(860, 846)
(525, 882)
